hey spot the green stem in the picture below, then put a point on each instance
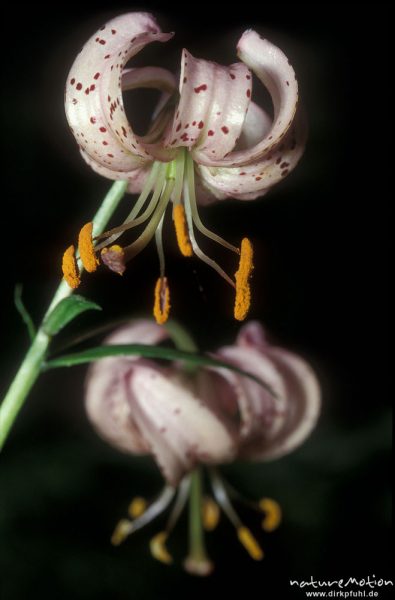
(31, 365)
(181, 337)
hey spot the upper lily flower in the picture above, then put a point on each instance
(208, 140)
(210, 417)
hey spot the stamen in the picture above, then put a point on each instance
(181, 228)
(210, 513)
(179, 176)
(243, 533)
(249, 542)
(146, 236)
(86, 249)
(157, 175)
(158, 548)
(137, 507)
(159, 247)
(114, 258)
(243, 291)
(194, 210)
(155, 509)
(162, 301)
(157, 544)
(222, 498)
(273, 514)
(126, 527)
(199, 253)
(179, 504)
(70, 269)
(121, 531)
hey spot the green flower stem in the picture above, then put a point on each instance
(31, 365)
(181, 337)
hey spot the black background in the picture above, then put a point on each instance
(319, 287)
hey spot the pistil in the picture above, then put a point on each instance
(197, 561)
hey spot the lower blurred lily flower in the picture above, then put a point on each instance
(211, 416)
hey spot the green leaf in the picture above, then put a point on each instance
(66, 311)
(23, 311)
(98, 352)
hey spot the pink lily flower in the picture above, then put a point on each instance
(211, 417)
(208, 140)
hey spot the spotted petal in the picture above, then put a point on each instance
(273, 69)
(136, 178)
(94, 104)
(180, 430)
(256, 178)
(212, 107)
(144, 77)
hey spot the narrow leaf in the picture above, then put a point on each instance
(67, 310)
(21, 308)
(98, 352)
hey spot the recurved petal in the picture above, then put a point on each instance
(150, 78)
(93, 101)
(252, 335)
(213, 103)
(256, 125)
(270, 426)
(136, 178)
(107, 407)
(180, 430)
(140, 331)
(303, 399)
(256, 178)
(273, 69)
(259, 409)
(106, 393)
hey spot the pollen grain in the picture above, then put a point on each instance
(86, 249)
(180, 225)
(242, 276)
(70, 268)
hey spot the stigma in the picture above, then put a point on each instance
(167, 183)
